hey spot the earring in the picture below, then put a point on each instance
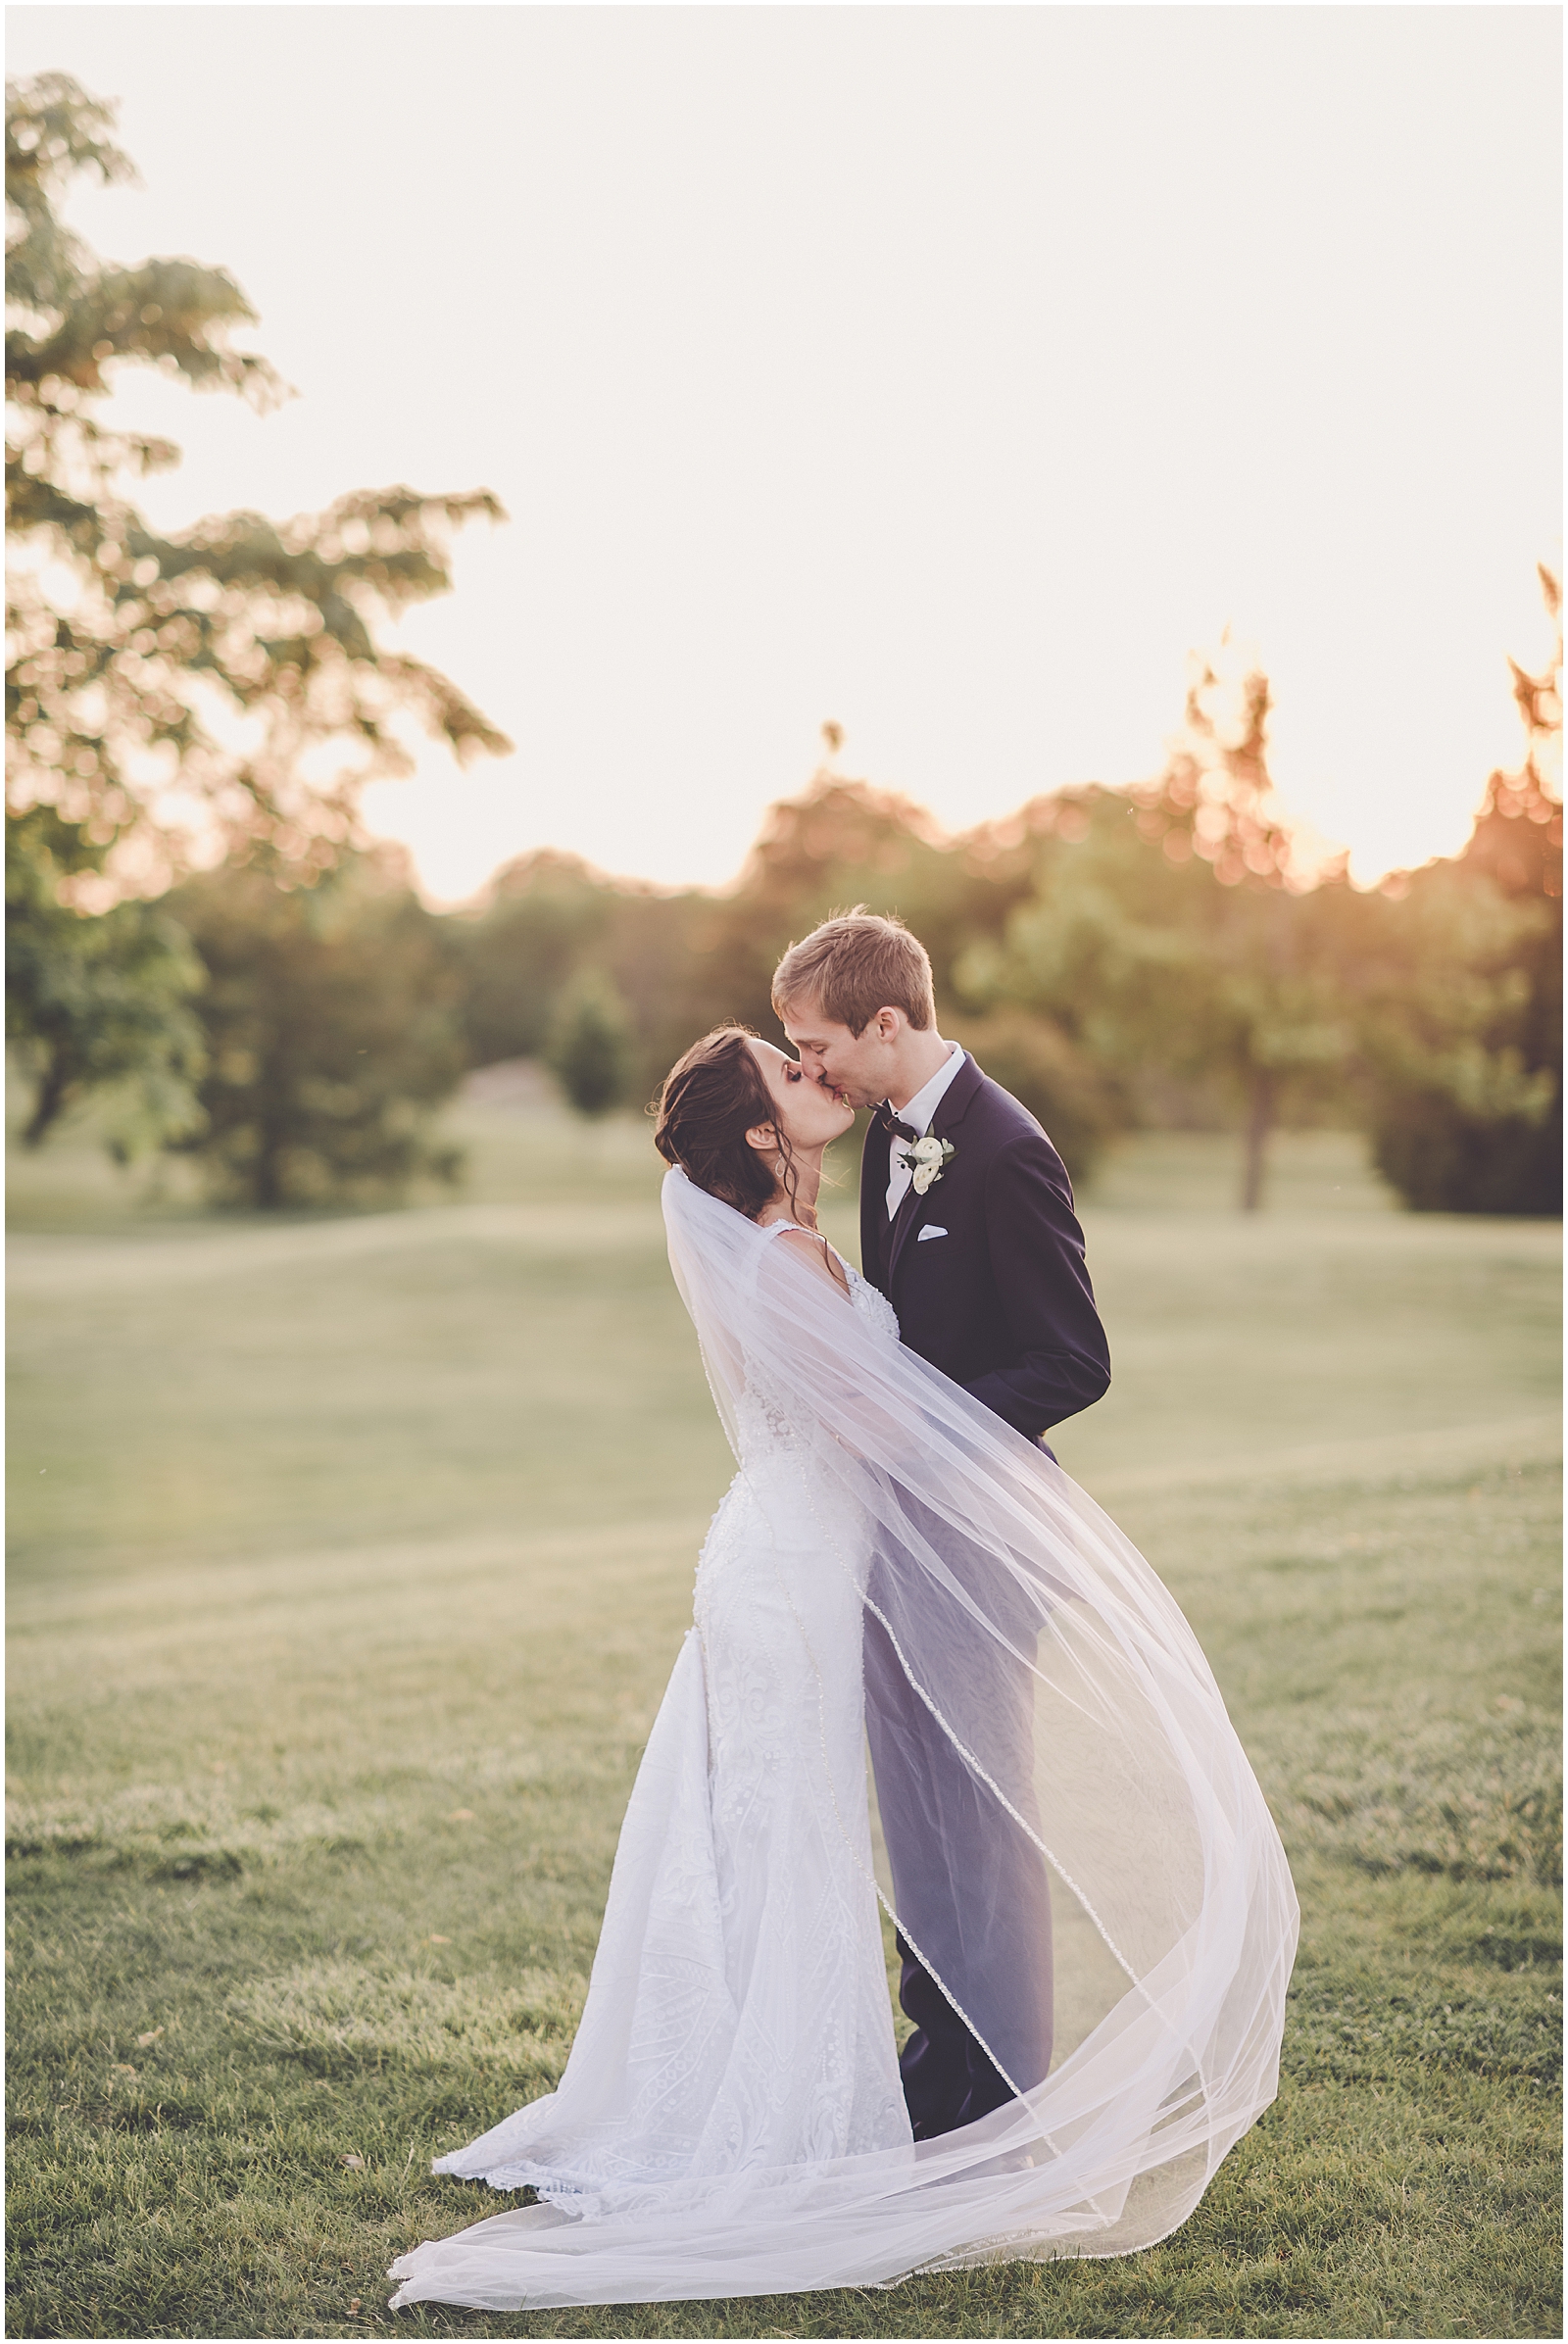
(778, 1168)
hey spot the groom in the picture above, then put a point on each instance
(984, 1265)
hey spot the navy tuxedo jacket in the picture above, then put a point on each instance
(1001, 1301)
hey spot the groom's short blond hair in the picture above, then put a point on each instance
(853, 966)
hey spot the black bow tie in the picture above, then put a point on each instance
(887, 1121)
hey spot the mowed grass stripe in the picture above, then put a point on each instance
(205, 1599)
(1358, 1464)
(50, 1266)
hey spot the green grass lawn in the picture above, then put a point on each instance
(349, 1559)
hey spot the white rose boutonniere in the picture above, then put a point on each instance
(926, 1160)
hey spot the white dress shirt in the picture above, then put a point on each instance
(917, 1115)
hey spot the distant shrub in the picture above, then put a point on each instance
(1441, 1160)
(1461, 1032)
(590, 1050)
(1467, 1110)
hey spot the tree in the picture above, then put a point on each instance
(842, 841)
(1172, 926)
(542, 918)
(1262, 1000)
(590, 1043)
(548, 919)
(1077, 1103)
(223, 685)
(1461, 1120)
(97, 1003)
(683, 961)
(1462, 1015)
(331, 1030)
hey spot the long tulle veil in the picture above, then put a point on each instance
(1089, 1872)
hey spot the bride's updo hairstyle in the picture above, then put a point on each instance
(712, 1098)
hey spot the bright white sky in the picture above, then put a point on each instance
(949, 372)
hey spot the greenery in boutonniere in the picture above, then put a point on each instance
(927, 1159)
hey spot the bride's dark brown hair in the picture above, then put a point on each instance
(713, 1095)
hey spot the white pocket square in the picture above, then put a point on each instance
(925, 1232)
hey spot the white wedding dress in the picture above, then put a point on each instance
(730, 2120)
(738, 2014)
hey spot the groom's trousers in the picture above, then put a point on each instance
(969, 1882)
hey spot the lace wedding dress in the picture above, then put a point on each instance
(738, 2012)
(730, 2120)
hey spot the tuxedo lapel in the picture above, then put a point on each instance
(873, 1207)
(952, 1109)
(957, 1098)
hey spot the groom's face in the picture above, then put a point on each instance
(860, 1065)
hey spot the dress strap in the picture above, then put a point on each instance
(775, 1228)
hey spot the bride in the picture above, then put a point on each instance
(731, 2119)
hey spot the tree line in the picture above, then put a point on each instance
(1111, 958)
(1117, 957)
(289, 1013)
